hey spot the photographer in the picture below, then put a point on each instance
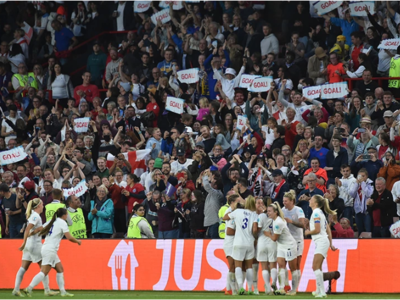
(368, 161)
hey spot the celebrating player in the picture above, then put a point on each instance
(294, 217)
(243, 244)
(266, 249)
(322, 237)
(286, 248)
(32, 246)
(54, 231)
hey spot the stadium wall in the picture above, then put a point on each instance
(366, 265)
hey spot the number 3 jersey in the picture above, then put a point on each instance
(55, 235)
(244, 220)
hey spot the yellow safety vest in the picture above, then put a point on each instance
(78, 227)
(51, 208)
(0, 232)
(134, 230)
(222, 225)
(24, 79)
(394, 71)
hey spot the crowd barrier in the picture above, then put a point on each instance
(366, 266)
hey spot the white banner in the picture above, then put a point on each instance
(334, 90)
(241, 121)
(246, 80)
(78, 190)
(141, 6)
(188, 76)
(323, 7)
(262, 84)
(312, 92)
(177, 5)
(358, 8)
(163, 16)
(390, 44)
(175, 105)
(12, 156)
(81, 125)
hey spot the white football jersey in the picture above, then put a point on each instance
(265, 224)
(285, 238)
(229, 223)
(55, 235)
(36, 220)
(244, 220)
(295, 214)
(318, 216)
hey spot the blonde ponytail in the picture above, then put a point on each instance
(323, 204)
(250, 203)
(32, 205)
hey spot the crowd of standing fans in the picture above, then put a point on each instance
(344, 149)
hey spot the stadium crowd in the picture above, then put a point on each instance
(345, 149)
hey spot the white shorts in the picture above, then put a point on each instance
(321, 247)
(32, 252)
(50, 258)
(300, 248)
(288, 253)
(228, 245)
(242, 252)
(267, 252)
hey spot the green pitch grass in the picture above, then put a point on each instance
(38, 294)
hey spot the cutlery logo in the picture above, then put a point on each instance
(123, 264)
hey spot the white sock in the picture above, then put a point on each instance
(249, 278)
(281, 278)
(244, 276)
(239, 277)
(297, 280)
(294, 280)
(286, 277)
(232, 281)
(60, 282)
(46, 283)
(228, 282)
(265, 275)
(274, 275)
(36, 280)
(319, 276)
(255, 277)
(18, 278)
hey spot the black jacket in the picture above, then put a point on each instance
(386, 205)
(129, 20)
(338, 204)
(336, 163)
(277, 143)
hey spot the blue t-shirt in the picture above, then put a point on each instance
(63, 39)
(321, 155)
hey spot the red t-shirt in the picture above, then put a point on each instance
(354, 56)
(136, 189)
(155, 109)
(91, 91)
(376, 214)
(333, 77)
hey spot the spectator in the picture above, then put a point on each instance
(342, 229)
(65, 41)
(86, 91)
(335, 203)
(270, 43)
(335, 70)
(12, 207)
(61, 86)
(381, 207)
(344, 185)
(322, 177)
(315, 63)
(304, 197)
(318, 152)
(335, 158)
(96, 64)
(102, 214)
(122, 15)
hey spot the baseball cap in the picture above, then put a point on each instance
(188, 129)
(180, 152)
(249, 148)
(277, 172)
(340, 38)
(29, 185)
(200, 144)
(388, 114)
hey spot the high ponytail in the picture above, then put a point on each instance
(32, 205)
(323, 204)
(278, 209)
(59, 213)
(250, 203)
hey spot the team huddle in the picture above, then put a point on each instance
(45, 255)
(258, 231)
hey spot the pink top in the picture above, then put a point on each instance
(202, 113)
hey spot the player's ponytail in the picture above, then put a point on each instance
(32, 205)
(291, 195)
(250, 203)
(58, 214)
(323, 204)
